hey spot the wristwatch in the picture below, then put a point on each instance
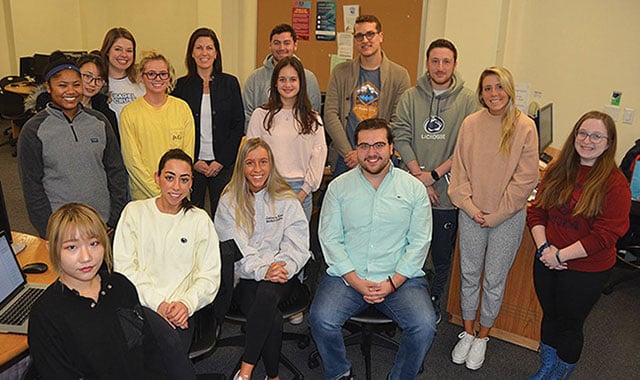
(434, 175)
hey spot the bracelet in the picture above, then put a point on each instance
(542, 248)
(435, 175)
(558, 257)
(392, 284)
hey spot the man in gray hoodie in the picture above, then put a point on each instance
(283, 42)
(429, 116)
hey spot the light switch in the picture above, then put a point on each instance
(613, 111)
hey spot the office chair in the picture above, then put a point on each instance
(367, 329)
(296, 303)
(628, 251)
(12, 108)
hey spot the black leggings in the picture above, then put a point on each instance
(258, 301)
(173, 345)
(567, 298)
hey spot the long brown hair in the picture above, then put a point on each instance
(562, 173)
(190, 62)
(238, 187)
(302, 109)
(511, 113)
(109, 39)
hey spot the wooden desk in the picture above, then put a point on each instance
(13, 345)
(521, 314)
(21, 88)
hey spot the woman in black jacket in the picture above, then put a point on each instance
(216, 103)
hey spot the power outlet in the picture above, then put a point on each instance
(628, 115)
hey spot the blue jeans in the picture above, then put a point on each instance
(307, 206)
(410, 307)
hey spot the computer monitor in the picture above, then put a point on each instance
(4, 216)
(544, 123)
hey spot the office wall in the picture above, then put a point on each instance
(165, 25)
(569, 52)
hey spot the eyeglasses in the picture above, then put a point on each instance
(88, 78)
(360, 36)
(378, 146)
(594, 137)
(153, 75)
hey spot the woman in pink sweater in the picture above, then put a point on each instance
(495, 168)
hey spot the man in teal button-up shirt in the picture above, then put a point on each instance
(375, 230)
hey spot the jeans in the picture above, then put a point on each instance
(410, 307)
(307, 206)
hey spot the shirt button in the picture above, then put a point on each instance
(103, 293)
(109, 286)
(93, 305)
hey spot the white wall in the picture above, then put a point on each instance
(573, 53)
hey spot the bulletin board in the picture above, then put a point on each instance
(401, 27)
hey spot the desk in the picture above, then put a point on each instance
(13, 345)
(520, 316)
(21, 88)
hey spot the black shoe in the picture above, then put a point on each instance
(435, 301)
(348, 376)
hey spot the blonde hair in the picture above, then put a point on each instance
(511, 113)
(76, 218)
(238, 188)
(561, 175)
(153, 55)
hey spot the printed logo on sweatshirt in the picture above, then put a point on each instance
(366, 101)
(273, 219)
(433, 126)
(123, 97)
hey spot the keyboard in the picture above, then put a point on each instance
(19, 311)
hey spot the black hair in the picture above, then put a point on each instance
(373, 124)
(443, 43)
(177, 154)
(283, 28)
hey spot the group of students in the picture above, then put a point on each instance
(260, 196)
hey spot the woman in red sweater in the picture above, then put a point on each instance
(581, 210)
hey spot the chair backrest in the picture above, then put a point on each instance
(11, 79)
(208, 320)
(11, 105)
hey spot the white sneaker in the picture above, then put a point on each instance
(461, 350)
(476, 353)
(296, 319)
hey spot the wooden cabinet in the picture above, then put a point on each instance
(520, 315)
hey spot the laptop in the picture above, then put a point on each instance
(16, 295)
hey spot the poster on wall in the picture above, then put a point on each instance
(350, 13)
(301, 18)
(326, 21)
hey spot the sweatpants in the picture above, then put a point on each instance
(493, 250)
